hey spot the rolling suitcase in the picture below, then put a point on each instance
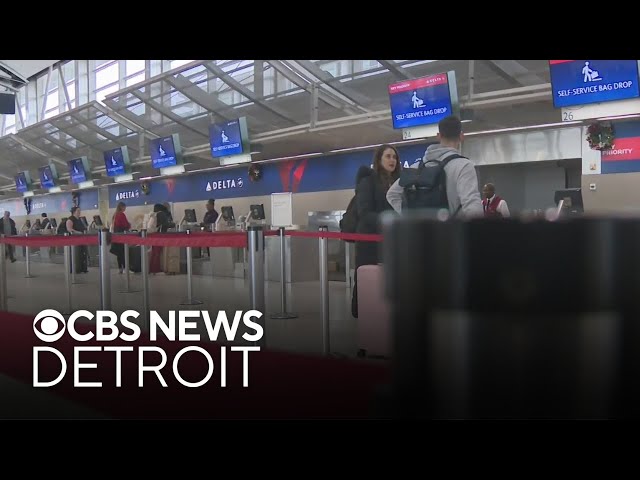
(373, 322)
(135, 263)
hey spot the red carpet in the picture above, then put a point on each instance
(281, 385)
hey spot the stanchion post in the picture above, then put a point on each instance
(67, 274)
(27, 259)
(3, 276)
(73, 263)
(255, 247)
(347, 263)
(144, 265)
(105, 272)
(323, 256)
(190, 300)
(283, 315)
(127, 267)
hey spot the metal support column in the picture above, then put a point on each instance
(144, 265)
(190, 300)
(27, 259)
(347, 264)
(283, 315)
(73, 264)
(127, 278)
(68, 265)
(3, 277)
(104, 239)
(323, 249)
(255, 247)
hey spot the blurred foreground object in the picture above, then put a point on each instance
(508, 318)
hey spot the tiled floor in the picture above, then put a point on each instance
(303, 334)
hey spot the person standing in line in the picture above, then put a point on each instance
(120, 225)
(371, 200)
(8, 227)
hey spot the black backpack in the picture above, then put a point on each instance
(62, 227)
(349, 222)
(426, 186)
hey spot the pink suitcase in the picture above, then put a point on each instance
(373, 322)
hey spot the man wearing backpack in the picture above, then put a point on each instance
(444, 178)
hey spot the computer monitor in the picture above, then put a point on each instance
(79, 170)
(227, 214)
(53, 223)
(190, 215)
(97, 220)
(84, 220)
(28, 223)
(48, 176)
(572, 200)
(165, 151)
(257, 212)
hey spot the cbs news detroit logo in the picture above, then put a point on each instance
(50, 327)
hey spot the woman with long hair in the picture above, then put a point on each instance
(120, 225)
(76, 226)
(371, 200)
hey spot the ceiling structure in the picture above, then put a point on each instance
(318, 112)
(15, 73)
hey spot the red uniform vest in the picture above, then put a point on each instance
(491, 210)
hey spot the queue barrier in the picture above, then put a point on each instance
(252, 240)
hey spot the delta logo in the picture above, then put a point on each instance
(224, 184)
(127, 195)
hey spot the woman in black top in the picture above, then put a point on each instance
(77, 226)
(371, 201)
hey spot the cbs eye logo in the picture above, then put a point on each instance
(52, 326)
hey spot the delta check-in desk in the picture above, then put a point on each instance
(301, 260)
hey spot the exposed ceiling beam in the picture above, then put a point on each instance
(128, 121)
(167, 113)
(35, 149)
(330, 100)
(360, 100)
(88, 138)
(143, 124)
(514, 72)
(398, 71)
(236, 85)
(199, 96)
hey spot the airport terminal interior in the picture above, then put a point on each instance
(236, 152)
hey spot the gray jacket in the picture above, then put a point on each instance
(462, 183)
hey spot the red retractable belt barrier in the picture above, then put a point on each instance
(358, 237)
(51, 240)
(196, 239)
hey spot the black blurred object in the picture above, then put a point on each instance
(572, 201)
(84, 221)
(53, 223)
(510, 319)
(7, 103)
(227, 214)
(135, 258)
(97, 220)
(257, 211)
(190, 215)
